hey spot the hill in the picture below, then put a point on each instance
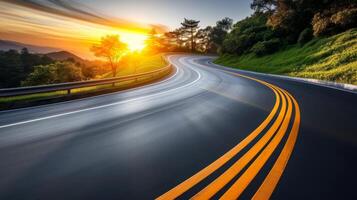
(331, 58)
(6, 45)
(64, 55)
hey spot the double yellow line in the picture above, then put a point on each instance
(257, 155)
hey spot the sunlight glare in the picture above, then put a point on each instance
(135, 41)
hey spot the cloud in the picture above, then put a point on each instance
(81, 12)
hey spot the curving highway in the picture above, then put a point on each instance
(204, 132)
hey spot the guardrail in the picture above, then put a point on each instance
(10, 92)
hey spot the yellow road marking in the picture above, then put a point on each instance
(229, 174)
(273, 177)
(198, 177)
(240, 185)
(266, 189)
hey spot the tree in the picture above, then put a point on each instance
(203, 40)
(225, 24)
(334, 21)
(15, 66)
(290, 18)
(11, 71)
(26, 60)
(58, 72)
(263, 5)
(190, 26)
(246, 33)
(219, 32)
(175, 39)
(155, 43)
(112, 49)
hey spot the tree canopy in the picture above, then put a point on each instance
(112, 49)
(15, 66)
(189, 29)
(58, 72)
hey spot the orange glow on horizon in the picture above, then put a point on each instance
(43, 29)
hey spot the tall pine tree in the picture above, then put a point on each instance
(190, 26)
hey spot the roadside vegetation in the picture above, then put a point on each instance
(305, 38)
(298, 38)
(139, 63)
(28, 69)
(331, 58)
(142, 64)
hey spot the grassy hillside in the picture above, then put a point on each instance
(140, 64)
(333, 58)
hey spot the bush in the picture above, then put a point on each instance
(329, 23)
(321, 24)
(246, 33)
(229, 45)
(15, 66)
(345, 19)
(58, 72)
(305, 36)
(266, 47)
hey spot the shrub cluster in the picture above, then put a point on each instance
(305, 36)
(276, 24)
(266, 47)
(58, 72)
(332, 22)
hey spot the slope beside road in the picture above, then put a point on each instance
(147, 142)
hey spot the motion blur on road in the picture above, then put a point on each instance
(141, 143)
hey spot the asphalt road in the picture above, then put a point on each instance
(205, 132)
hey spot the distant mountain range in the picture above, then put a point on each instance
(6, 45)
(54, 53)
(64, 55)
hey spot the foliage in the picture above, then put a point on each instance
(277, 24)
(112, 49)
(263, 5)
(58, 72)
(15, 66)
(189, 37)
(175, 40)
(331, 22)
(155, 43)
(89, 69)
(266, 47)
(290, 18)
(189, 29)
(333, 58)
(204, 41)
(221, 29)
(305, 36)
(135, 62)
(246, 34)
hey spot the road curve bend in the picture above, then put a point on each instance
(205, 132)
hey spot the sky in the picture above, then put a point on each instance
(75, 25)
(171, 12)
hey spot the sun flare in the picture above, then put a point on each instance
(135, 41)
(37, 28)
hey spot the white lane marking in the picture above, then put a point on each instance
(104, 106)
(97, 96)
(327, 84)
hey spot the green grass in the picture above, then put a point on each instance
(142, 63)
(332, 58)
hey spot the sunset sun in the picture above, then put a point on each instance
(160, 99)
(135, 41)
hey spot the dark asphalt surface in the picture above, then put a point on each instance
(140, 143)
